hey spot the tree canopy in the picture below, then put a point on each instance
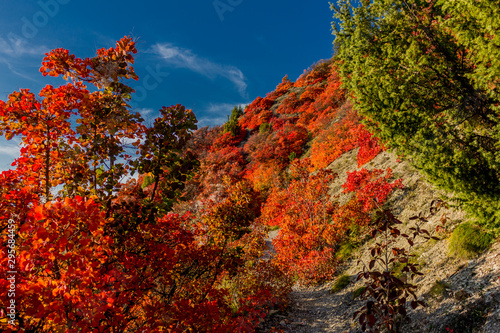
(425, 75)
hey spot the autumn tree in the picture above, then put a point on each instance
(105, 254)
(45, 128)
(99, 159)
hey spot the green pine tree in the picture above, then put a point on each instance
(426, 77)
(232, 121)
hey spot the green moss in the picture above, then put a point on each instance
(356, 293)
(274, 228)
(439, 288)
(351, 242)
(345, 251)
(264, 127)
(468, 240)
(342, 282)
(397, 267)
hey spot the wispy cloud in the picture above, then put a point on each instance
(184, 58)
(13, 69)
(10, 148)
(10, 152)
(144, 111)
(15, 47)
(16, 52)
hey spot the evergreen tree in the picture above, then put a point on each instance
(232, 121)
(425, 75)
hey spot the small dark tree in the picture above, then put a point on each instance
(232, 121)
(387, 295)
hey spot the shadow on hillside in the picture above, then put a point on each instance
(470, 301)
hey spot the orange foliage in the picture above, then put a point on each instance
(264, 175)
(317, 73)
(289, 105)
(280, 146)
(281, 89)
(108, 256)
(307, 236)
(338, 138)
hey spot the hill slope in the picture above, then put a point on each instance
(323, 177)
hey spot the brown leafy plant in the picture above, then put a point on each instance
(387, 295)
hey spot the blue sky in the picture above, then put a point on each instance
(208, 55)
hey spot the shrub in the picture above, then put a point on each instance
(439, 288)
(232, 121)
(453, 140)
(388, 295)
(468, 240)
(345, 250)
(264, 127)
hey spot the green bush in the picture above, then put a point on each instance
(232, 121)
(274, 228)
(468, 240)
(342, 282)
(356, 293)
(397, 78)
(264, 127)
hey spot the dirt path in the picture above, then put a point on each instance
(470, 303)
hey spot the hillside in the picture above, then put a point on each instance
(469, 299)
(460, 293)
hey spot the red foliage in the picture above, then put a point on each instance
(332, 95)
(108, 256)
(369, 147)
(289, 105)
(316, 74)
(257, 113)
(312, 92)
(228, 161)
(202, 140)
(280, 146)
(371, 188)
(338, 138)
(228, 139)
(279, 123)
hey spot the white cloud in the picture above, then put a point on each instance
(184, 58)
(9, 151)
(10, 148)
(144, 111)
(211, 121)
(216, 113)
(15, 47)
(219, 108)
(14, 52)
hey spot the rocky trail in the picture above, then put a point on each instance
(470, 302)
